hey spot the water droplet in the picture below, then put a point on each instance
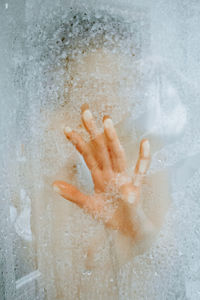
(66, 233)
(87, 272)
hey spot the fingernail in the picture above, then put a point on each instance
(67, 130)
(84, 107)
(56, 189)
(87, 115)
(146, 148)
(108, 123)
(106, 117)
(131, 198)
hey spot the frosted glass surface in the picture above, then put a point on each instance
(150, 87)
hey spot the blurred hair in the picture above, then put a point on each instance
(81, 31)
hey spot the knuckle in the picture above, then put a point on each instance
(85, 153)
(94, 167)
(100, 143)
(119, 154)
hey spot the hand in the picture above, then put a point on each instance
(116, 197)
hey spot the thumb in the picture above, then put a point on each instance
(70, 192)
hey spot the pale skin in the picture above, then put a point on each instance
(116, 200)
(106, 160)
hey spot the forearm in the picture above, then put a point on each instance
(125, 243)
(145, 229)
(136, 241)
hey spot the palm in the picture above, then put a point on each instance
(115, 194)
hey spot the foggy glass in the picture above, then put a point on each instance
(43, 238)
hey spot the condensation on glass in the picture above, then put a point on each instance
(43, 237)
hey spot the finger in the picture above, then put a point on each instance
(82, 147)
(70, 193)
(88, 121)
(116, 149)
(100, 150)
(142, 163)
